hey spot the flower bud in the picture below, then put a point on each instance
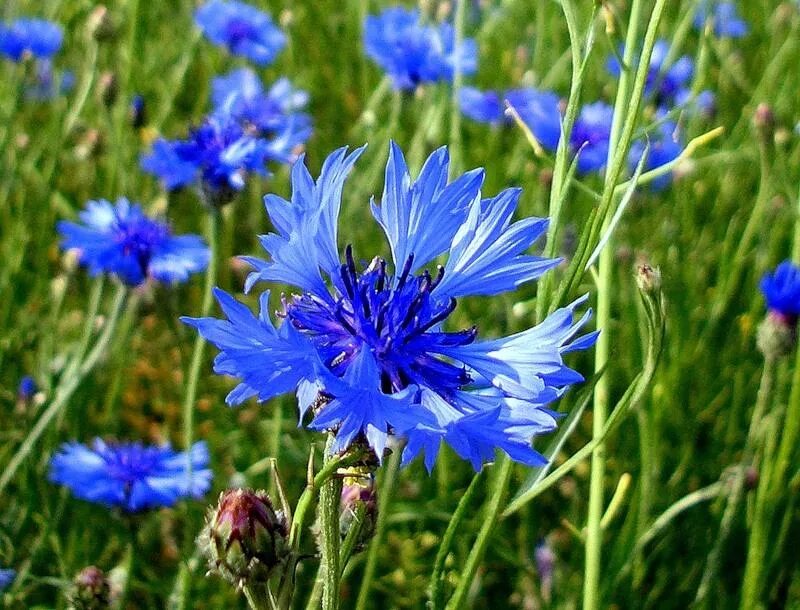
(137, 112)
(764, 122)
(100, 24)
(359, 491)
(108, 89)
(244, 538)
(648, 278)
(90, 590)
(776, 335)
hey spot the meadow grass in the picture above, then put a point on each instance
(676, 520)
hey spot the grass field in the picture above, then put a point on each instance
(691, 500)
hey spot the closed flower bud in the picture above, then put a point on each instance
(245, 539)
(90, 590)
(648, 278)
(100, 24)
(108, 88)
(359, 491)
(776, 335)
(764, 122)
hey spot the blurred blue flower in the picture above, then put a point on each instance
(275, 114)
(6, 578)
(725, 19)
(219, 155)
(411, 52)
(590, 136)
(120, 239)
(137, 111)
(781, 290)
(665, 146)
(242, 28)
(366, 350)
(27, 388)
(48, 83)
(666, 85)
(36, 37)
(539, 110)
(131, 476)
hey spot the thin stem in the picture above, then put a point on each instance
(65, 389)
(435, 585)
(329, 501)
(212, 231)
(475, 557)
(456, 157)
(386, 488)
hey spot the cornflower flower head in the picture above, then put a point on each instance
(6, 578)
(242, 28)
(363, 344)
(539, 110)
(121, 240)
(590, 136)
(413, 53)
(28, 37)
(665, 146)
(781, 290)
(131, 476)
(218, 155)
(27, 388)
(275, 114)
(666, 85)
(725, 19)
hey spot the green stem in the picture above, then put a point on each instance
(456, 157)
(594, 532)
(386, 488)
(435, 585)
(65, 389)
(258, 597)
(497, 496)
(329, 501)
(200, 343)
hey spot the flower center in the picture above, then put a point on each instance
(397, 318)
(239, 30)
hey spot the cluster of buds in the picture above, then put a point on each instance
(245, 539)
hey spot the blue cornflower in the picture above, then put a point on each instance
(590, 136)
(781, 290)
(276, 114)
(725, 18)
(219, 154)
(120, 239)
(38, 38)
(131, 476)
(6, 578)
(666, 85)
(665, 146)
(242, 28)
(412, 53)
(363, 343)
(48, 83)
(27, 388)
(539, 110)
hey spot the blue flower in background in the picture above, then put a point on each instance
(219, 155)
(725, 19)
(120, 239)
(590, 136)
(665, 146)
(131, 476)
(36, 37)
(48, 83)
(363, 343)
(27, 388)
(781, 290)
(242, 28)
(412, 53)
(666, 85)
(539, 110)
(276, 114)
(6, 578)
